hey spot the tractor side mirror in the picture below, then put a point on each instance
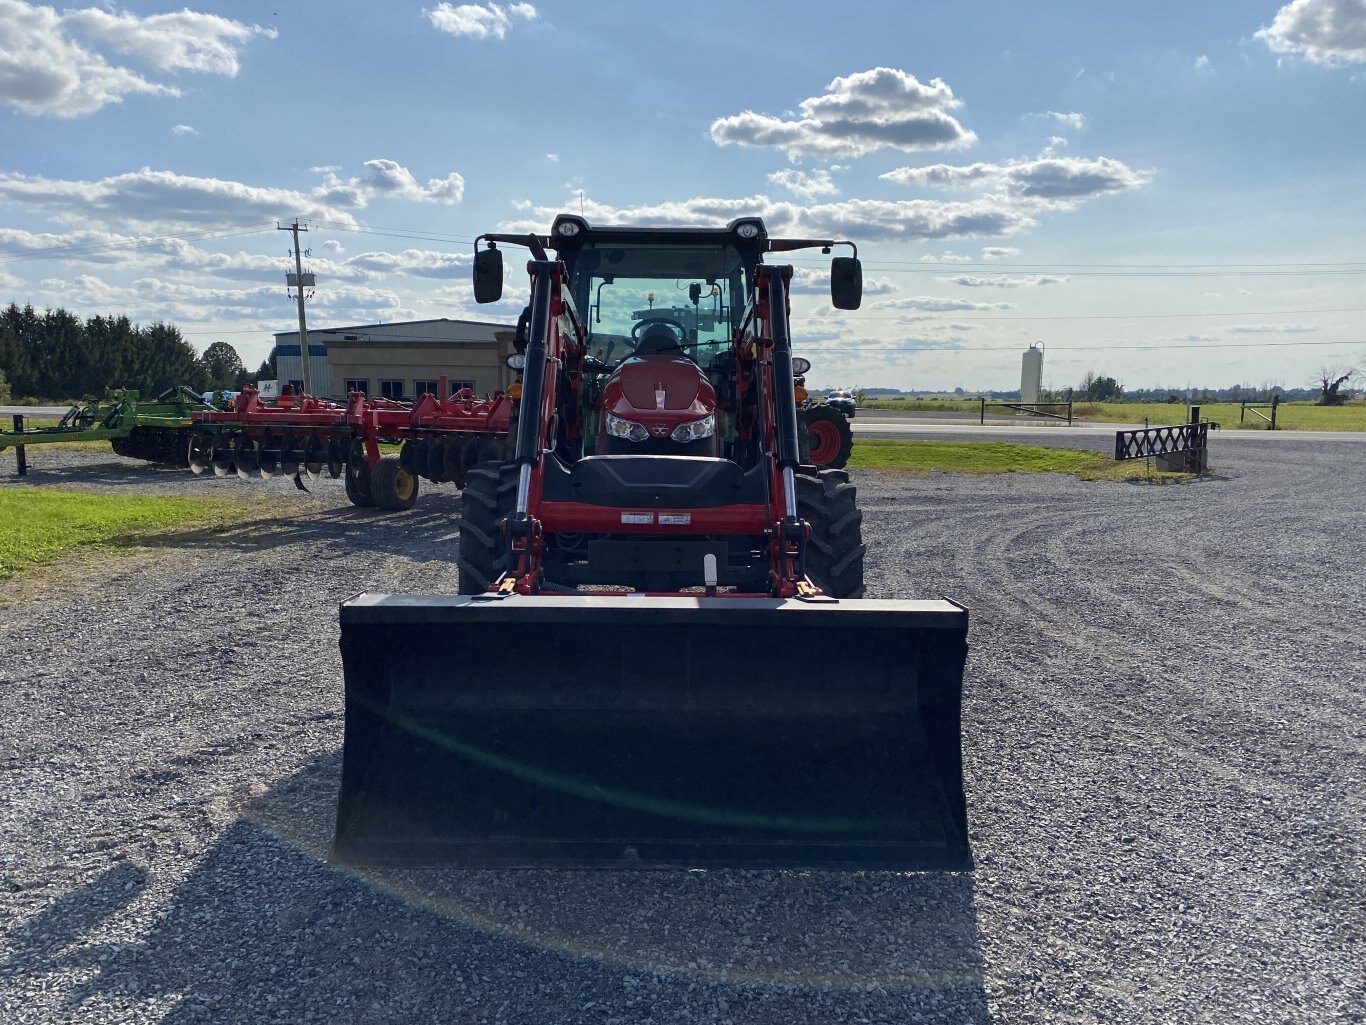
(488, 275)
(846, 282)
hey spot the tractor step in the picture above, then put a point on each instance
(629, 731)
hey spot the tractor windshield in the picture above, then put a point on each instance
(698, 292)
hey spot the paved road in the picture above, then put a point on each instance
(38, 412)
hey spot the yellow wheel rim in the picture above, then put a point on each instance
(404, 485)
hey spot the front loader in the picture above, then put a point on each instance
(632, 672)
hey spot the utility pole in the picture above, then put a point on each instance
(299, 280)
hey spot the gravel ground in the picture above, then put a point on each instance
(1163, 731)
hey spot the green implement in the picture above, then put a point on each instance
(157, 430)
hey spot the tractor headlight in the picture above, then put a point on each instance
(628, 429)
(696, 430)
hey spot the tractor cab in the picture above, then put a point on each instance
(660, 323)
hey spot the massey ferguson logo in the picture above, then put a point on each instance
(659, 430)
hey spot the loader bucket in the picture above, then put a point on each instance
(630, 731)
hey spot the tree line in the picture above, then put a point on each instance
(57, 355)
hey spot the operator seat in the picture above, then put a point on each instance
(660, 340)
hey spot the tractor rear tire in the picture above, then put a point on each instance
(489, 495)
(829, 439)
(393, 488)
(834, 555)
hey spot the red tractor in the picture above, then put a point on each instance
(624, 677)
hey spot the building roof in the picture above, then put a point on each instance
(387, 331)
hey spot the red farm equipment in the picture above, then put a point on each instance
(649, 583)
(443, 439)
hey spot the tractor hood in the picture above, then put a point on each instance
(664, 388)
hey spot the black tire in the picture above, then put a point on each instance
(490, 494)
(393, 488)
(827, 439)
(834, 556)
(358, 477)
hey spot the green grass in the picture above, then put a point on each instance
(42, 526)
(1292, 416)
(920, 457)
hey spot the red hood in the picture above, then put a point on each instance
(661, 389)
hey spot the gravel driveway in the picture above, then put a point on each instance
(1163, 734)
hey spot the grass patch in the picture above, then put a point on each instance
(41, 526)
(920, 457)
(1292, 416)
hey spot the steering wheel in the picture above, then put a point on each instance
(640, 327)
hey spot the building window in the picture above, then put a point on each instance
(391, 389)
(358, 384)
(457, 385)
(423, 387)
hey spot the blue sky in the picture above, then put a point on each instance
(1168, 193)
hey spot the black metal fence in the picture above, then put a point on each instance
(1189, 440)
(1160, 441)
(1031, 408)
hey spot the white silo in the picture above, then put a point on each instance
(1031, 374)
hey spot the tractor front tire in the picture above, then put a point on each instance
(490, 494)
(393, 488)
(829, 440)
(834, 555)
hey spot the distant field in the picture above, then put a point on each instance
(42, 526)
(1292, 416)
(920, 457)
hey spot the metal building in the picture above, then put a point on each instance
(399, 361)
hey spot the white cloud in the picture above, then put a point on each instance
(1202, 64)
(182, 41)
(816, 281)
(863, 219)
(1007, 281)
(46, 71)
(945, 257)
(388, 178)
(1049, 180)
(1269, 329)
(424, 263)
(1073, 120)
(1328, 32)
(803, 185)
(162, 202)
(554, 158)
(857, 114)
(998, 252)
(479, 21)
(184, 130)
(938, 304)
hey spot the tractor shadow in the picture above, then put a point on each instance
(432, 524)
(264, 921)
